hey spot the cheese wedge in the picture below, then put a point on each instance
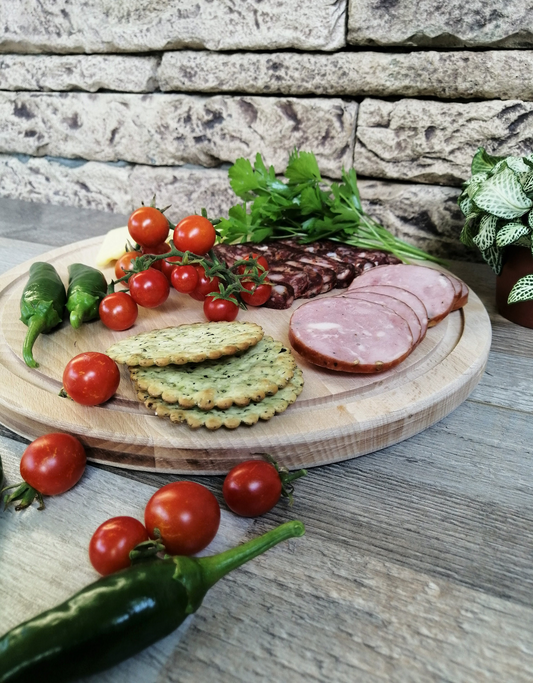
(113, 246)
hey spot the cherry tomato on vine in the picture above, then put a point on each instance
(258, 295)
(157, 250)
(194, 233)
(187, 516)
(148, 226)
(149, 288)
(168, 265)
(205, 285)
(125, 262)
(118, 311)
(91, 378)
(111, 543)
(252, 488)
(261, 261)
(184, 279)
(220, 309)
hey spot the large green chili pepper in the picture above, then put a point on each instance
(42, 305)
(121, 614)
(86, 288)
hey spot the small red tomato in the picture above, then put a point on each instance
(194, 233)
(258, 295)
(53, 463)
(118, 311)
(261, 261)
(168, 265)
(148, 226)
(184, 279)
(252, 488)
(205, 285)
(157, 250)
(112, 542)
(125, 262)
(220, 309)
(91, 378)
(149, 288)
(187, 516)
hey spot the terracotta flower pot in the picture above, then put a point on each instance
(518, 262)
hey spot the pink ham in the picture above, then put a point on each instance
(461, 297)
(400, 307)
(350, 335)
(403, 295)
(431, 286)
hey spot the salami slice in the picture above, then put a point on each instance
(350, 335)
(396, 305)
(431, 286)
(403, 295)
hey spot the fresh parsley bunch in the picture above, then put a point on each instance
(303, 208)
(497, 202)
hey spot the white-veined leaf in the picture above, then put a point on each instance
(487, 232)
(468, 233)
(474, 183)
(522, 291)
(511, 233)
(517, 164)
(493, 256)
(482, 161)
(526, 180)
(502, 196)
(499, 167)
(466, 205)
(524, 242)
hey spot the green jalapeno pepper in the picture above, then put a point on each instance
(42, 306)
(121, 614)
(86, 288)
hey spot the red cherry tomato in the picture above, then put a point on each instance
(258, 295)
(168, 265)
(184, 279)
(148, 226)
(118, 311)
(156, 251)
(220, 309)
(261, 261)
(194, 233)
(125, 262)
(205, 285)
(91, 378)
(149, 288)
(53, 463)
(111, 543)
(252, 488)
(187, 516)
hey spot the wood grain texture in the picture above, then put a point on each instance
(416, 566)
(337, 416)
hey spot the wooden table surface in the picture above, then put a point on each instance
(417, 563)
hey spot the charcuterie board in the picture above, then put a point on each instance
(337, 416)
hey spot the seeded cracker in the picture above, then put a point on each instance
(248, 376)
(233, 416)
(186, 343)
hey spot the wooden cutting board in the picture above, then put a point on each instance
(337, 416)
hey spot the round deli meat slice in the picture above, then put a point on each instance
(461, 299)
(431, 286)
(350, 335)
(400, 307)
(403, 295)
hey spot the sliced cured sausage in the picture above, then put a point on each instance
(396, 305)
(431, 286)
(403, 295)
(461, 296)
(350, 335)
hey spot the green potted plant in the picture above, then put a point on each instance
(497, 202)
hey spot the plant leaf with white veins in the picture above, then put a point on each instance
(511, 233)
(502, 196)
(487, 232)
(522, 291)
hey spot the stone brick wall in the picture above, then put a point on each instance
(103, 104)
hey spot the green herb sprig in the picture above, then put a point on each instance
(497, 201)
(304, 208)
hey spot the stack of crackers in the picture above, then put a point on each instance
(211, 374)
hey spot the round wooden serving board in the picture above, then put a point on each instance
(337, 416)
